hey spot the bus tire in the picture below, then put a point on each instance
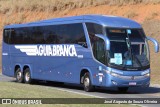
(27, 76)
(19, 76)
(87, 83)
(123, 89)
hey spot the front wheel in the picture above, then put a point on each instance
(27, 76)
(87, 83)
(123, 89)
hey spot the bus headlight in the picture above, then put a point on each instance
(147, 75)
(145, 72)
(115, 74)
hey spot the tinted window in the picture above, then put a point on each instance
(29, 35)
(55, 34)
(92, 30)
(136, 36)
(6, 34)
(36, 35)
(70, 33)
(17, 36)
(98, 45)
(99, 50)
(50, 35)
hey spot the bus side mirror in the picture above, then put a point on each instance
(156, 45)
(106, 39)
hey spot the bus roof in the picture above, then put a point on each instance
(109, 21)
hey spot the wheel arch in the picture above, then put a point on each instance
(27, 66)
(16, 67)
(83, 71)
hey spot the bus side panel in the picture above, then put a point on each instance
(19, 58)
(67, 69)
(6, 67)
(88, 63)
(59, 68)
(98, 78)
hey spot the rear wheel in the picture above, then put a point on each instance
(19, 75)
(123, 89)
(87, 83)
(27, 76)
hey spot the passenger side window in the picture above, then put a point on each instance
(97, 44)
(71, 34)
(52, 34)
(6, 34)
(37, 35)
(93, 29)
(17, 36)
(99, 50)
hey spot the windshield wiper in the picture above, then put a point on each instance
(135, 57)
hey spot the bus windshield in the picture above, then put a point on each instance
(128, 49)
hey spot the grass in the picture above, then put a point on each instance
(17, 90)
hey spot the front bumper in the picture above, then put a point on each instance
(127, 81)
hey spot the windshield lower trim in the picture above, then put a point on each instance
(129, 68)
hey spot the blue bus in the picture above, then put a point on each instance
(92, 50)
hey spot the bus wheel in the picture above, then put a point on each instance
(19, 76)
(123, 89)
(87, 83)
(27, 76)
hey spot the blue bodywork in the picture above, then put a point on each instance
(68, 69)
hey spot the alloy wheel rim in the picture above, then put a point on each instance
(86, 82)
(27, 76)
(19, 75)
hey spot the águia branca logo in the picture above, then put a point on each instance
(48, 50)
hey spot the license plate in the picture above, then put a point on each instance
(132, 83)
